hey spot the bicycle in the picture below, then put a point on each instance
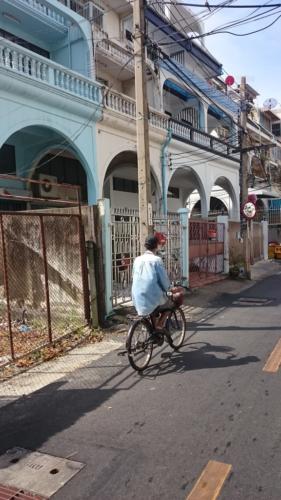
(143, 335)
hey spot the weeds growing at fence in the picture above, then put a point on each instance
(58, 348)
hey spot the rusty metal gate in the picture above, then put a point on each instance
(43, 280)
(206, 252)
(125, 248)
(257, 241)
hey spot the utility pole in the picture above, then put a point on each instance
(245, 228)
(144, 182)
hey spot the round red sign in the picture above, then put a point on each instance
(229, 80)
(249, 210)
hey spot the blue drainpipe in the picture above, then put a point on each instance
(164, 148)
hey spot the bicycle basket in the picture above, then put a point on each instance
(177, 295)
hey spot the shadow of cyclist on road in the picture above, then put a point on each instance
(201, 356)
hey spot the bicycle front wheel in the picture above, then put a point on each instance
(139, 345)
(177, 327)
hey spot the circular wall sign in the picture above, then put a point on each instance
(249, 210)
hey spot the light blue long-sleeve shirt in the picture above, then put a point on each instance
(150, 283)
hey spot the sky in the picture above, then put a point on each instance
(255, 56)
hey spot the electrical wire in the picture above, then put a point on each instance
(197, 18)
(249, 6)
(221, 30)
(249, 18)
(176, 70)
(76, 135)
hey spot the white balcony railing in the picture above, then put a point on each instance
(116, 53)
(126, 106)
(24, 62)
(120, 103)
(45, 9)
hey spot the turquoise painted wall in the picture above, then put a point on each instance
(37, 117)
(70, 47)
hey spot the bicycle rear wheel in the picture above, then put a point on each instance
(139, 345)
(177, 327)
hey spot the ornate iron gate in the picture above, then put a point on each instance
(206, 252)
(125, 247)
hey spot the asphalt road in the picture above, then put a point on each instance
(151, 436)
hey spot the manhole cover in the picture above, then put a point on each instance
(36, 472)
(253, 301)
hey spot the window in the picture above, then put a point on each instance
(276, 129)
(127, 27)
(24, 43)
(125, 185)
(173, 192)
(95, 15)
(7, 159)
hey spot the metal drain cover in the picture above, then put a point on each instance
(253, 301)
(36, 472)
(8, 493)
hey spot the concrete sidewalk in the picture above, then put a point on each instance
(200, 305)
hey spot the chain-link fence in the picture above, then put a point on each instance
(43, 281)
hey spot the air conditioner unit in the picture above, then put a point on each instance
(47, 189)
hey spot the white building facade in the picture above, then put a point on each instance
(192, 127)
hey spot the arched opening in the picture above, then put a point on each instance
(121, 182)
(220, 202)
(42, 153)
(180, 104)
(223, 199)
(186, 190)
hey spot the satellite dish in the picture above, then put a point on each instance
(270, 103)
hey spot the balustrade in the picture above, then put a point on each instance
(25, 62)
(46, 9)
(116, 52)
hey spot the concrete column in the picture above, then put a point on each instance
(105, 215)
(223, 219)
(264, 225)
(92, 284)
(205, 114)
(184, 221)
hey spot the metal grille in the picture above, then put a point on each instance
(10, 493)
(172, 251)
(126, 247)
(43, 282)
(206, 252)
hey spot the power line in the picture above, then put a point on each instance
(168, 60)
(205, 12)
(78, 132)
(222, 30)
(186, 4)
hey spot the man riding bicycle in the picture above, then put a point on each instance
(150, 282)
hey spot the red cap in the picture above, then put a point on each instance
(161, 238)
